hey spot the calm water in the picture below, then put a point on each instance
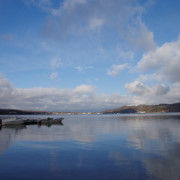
(94, 147)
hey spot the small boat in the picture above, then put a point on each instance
(19, 121)
(50, 121)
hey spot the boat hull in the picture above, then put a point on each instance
(52, 121)
(48, 121)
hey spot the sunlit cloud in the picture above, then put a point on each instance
(139, 88)
(116, 69)
(164, 60)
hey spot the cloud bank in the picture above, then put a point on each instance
(138, 88)
(83, 98)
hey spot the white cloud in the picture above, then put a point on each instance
(82, 69)
(54, 75)
(5, 88)
(84, 89)
(173, 95)
(122, 18)
(83, 97)
(164, 60)
(4, 83)
(116, 69)
(154, 94)
(138, 88)
(141, 37)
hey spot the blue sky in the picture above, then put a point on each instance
(88, 55)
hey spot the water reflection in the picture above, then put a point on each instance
(95, 147)
(8, 136)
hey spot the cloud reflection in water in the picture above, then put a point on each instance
(103, 146)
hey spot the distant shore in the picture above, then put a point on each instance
(161, 108)
(27, 112)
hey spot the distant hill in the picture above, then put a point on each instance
(21, 112)
(124, 109)
(26, 112)
(145, 109)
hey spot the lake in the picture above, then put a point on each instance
(94, 147)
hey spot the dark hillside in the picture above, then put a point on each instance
(145, 109)
(20, 112)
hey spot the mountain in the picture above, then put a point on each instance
(145, 109)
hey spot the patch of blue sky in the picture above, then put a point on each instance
(162, 19)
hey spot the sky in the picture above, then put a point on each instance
(88, 55)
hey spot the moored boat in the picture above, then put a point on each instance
(14, 122)
(50, 121)
(19, 121)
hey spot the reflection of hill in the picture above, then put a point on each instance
(146, 109)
